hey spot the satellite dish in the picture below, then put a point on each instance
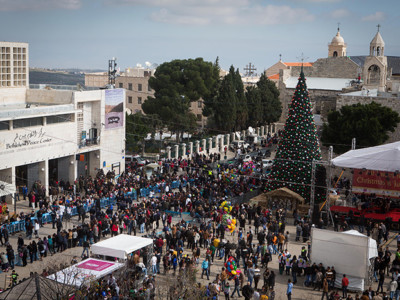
(147, 63)
(138, 65)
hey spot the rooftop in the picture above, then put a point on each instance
(319, 83)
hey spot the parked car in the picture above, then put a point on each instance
(135, 158)
(238, 144)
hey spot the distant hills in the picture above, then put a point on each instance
(58, 76)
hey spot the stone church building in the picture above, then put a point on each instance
(340, 80)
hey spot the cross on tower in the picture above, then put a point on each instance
(338, 26)
(249, 70)
(379, 26)
(280, 57)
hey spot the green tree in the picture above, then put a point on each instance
(368, 123)
(227, 110)
(254, 106)
(298, 146)
(272, 108)
(137, 128)
(176, 84)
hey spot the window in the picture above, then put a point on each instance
(148, 88)
(4, 125)
(199, 117)
(199, 104)
(129, 99)
(130, 86)
(139, 87)
(28, 122)
(59, 119)
(120, 85)
(139, 100)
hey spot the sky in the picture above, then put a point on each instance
(85, 34)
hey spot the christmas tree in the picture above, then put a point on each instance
(298, 146)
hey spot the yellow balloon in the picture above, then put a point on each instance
(233, 221)
(229, 226)
(225, 208)
(233, 227)
(230, 208)
(233, 272)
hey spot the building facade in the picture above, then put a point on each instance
(47, 135)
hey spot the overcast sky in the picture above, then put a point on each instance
(86, 33)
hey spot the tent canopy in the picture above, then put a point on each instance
(379, 158)
(120, 246)
(85, 271)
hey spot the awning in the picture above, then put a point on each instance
(120, 246)
(85, 271)
(379, 158)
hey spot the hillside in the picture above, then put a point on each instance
(41, 76)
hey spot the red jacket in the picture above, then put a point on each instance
(345, 282)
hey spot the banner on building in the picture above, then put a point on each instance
(114, 108)
(384, 184)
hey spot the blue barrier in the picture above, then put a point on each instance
(47, 218)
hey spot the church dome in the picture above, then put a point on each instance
(337, 39)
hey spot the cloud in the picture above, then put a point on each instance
(378, 16)
(340, 13)
(204, 12)
(318, 1)
(18, 5)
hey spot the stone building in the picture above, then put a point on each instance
(330, 79)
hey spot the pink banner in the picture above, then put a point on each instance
(96, 265)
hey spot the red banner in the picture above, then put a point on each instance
(386, 184)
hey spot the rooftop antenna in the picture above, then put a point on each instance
(112, 65)
(280, 57)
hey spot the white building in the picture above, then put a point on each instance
(49, 135)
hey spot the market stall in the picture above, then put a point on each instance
(87, 270)
(350, 252)
(120, 246)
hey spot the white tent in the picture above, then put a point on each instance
(85, 271)
(120, 246)
(380, 158)
(349, 252)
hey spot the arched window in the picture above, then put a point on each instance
(334, 53)
(374, 75)
(378, 51)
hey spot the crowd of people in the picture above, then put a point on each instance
(181, 247)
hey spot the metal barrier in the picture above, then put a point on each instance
(47, 218)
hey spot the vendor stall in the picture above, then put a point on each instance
(82, 273)
(350, 252)
(282, 198)
(120, 246)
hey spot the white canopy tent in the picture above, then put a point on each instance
(85, 271)
(349, 252)
(379, 158)
(120, 246)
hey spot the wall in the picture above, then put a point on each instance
(12, 95)
(134, 93)
(49, 96)
(391, 102)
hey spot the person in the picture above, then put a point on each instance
(227, 290)
(205, 266)
(86, 247)
(14, 278)
(237, 286)
(392, 288)
(289, 289)
(247, 291)
(325, 289)
(345, 284)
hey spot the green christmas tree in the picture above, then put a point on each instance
(298, 146)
